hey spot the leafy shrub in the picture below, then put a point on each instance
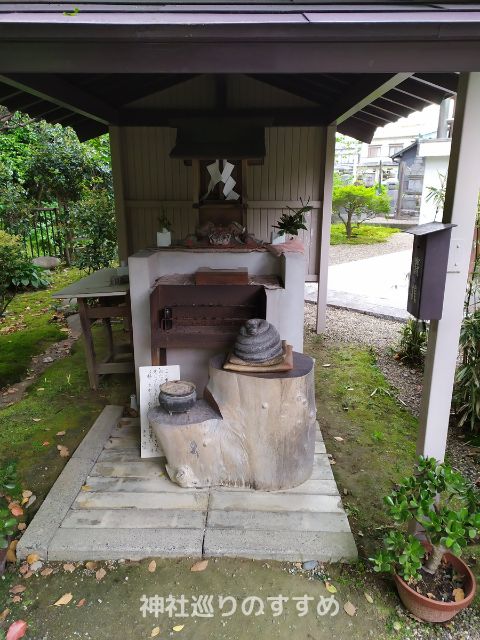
(466, 394)
(9, 490)
(16, 270)
(355, 203)
(412, 347)
(29, 276)
(11, 260)
(95, 224)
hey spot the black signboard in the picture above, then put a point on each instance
(429, 270)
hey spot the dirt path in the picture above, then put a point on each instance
(15, 392)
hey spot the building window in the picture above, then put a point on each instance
(394, 148)
(374, 150)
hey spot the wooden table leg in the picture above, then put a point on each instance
(108, 327)
(89, 346)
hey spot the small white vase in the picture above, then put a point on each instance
(164, 238)
(278, 239)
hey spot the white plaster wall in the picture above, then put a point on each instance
(284, 306)
(434, 167)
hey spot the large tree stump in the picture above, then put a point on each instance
(257, 430)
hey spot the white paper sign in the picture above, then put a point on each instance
(150, 380)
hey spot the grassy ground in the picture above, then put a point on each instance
(377, 447)
(360, 235)
(31, 312)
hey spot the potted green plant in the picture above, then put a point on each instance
(431, 579)
(291, 223)
(164, 236)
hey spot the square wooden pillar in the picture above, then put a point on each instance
(324, 225)
(462, 190)
(117, 179)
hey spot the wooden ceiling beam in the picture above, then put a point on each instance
(309, 116)
(447, 82)
(64, 94)
(363, 93)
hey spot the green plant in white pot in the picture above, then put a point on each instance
(164, 236)
(431, 579)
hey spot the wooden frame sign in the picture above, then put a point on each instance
(429, 270)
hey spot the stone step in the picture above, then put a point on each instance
(151, 468)
(323, 546)
(273, 501)
(132, 544)
(140, 485)
(131, 500)
(134, 519)
(122, 442)
(277, 521)
(121, 455)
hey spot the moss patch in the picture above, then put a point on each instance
(360, 235)
(32, 313)
(356, 403)
(61, 400)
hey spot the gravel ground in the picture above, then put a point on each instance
(382, 334)
(341, 253)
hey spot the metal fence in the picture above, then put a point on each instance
(42, 236)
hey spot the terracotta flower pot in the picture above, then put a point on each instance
(435, 610)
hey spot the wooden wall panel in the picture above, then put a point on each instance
(153, 182)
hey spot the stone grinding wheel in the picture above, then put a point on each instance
(258, 341)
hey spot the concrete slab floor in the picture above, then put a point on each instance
(378, 286)
(110, 504)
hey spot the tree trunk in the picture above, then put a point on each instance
(434, 560)
(348, 225)
(260, 434)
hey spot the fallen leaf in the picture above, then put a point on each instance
(11, 556)
(45, 444)
(16, 599)
(101, 573)
(86, 487)
(35, 566)
(155, 632)
(330, 588)
(41, 389)
(23, 569)
(458, 594)
(431, 596)
(26, 493)
(63, 451)
(152, 566)
(61, 433)
(199, 566)
(65, 599)
(326, 365)
(28, 575)
(21, 526)
(31, 500)
(350, 608)
(397, 626)
(17, 630)
(90, 565)
(46, 572)
(70, 567)
(15, 509)
(338, 438)
(4, 614)
(80, 603)
(368, 597)
(18, 588)
(32, 557)
(179, 627)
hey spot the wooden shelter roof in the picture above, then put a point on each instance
(352, 60)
